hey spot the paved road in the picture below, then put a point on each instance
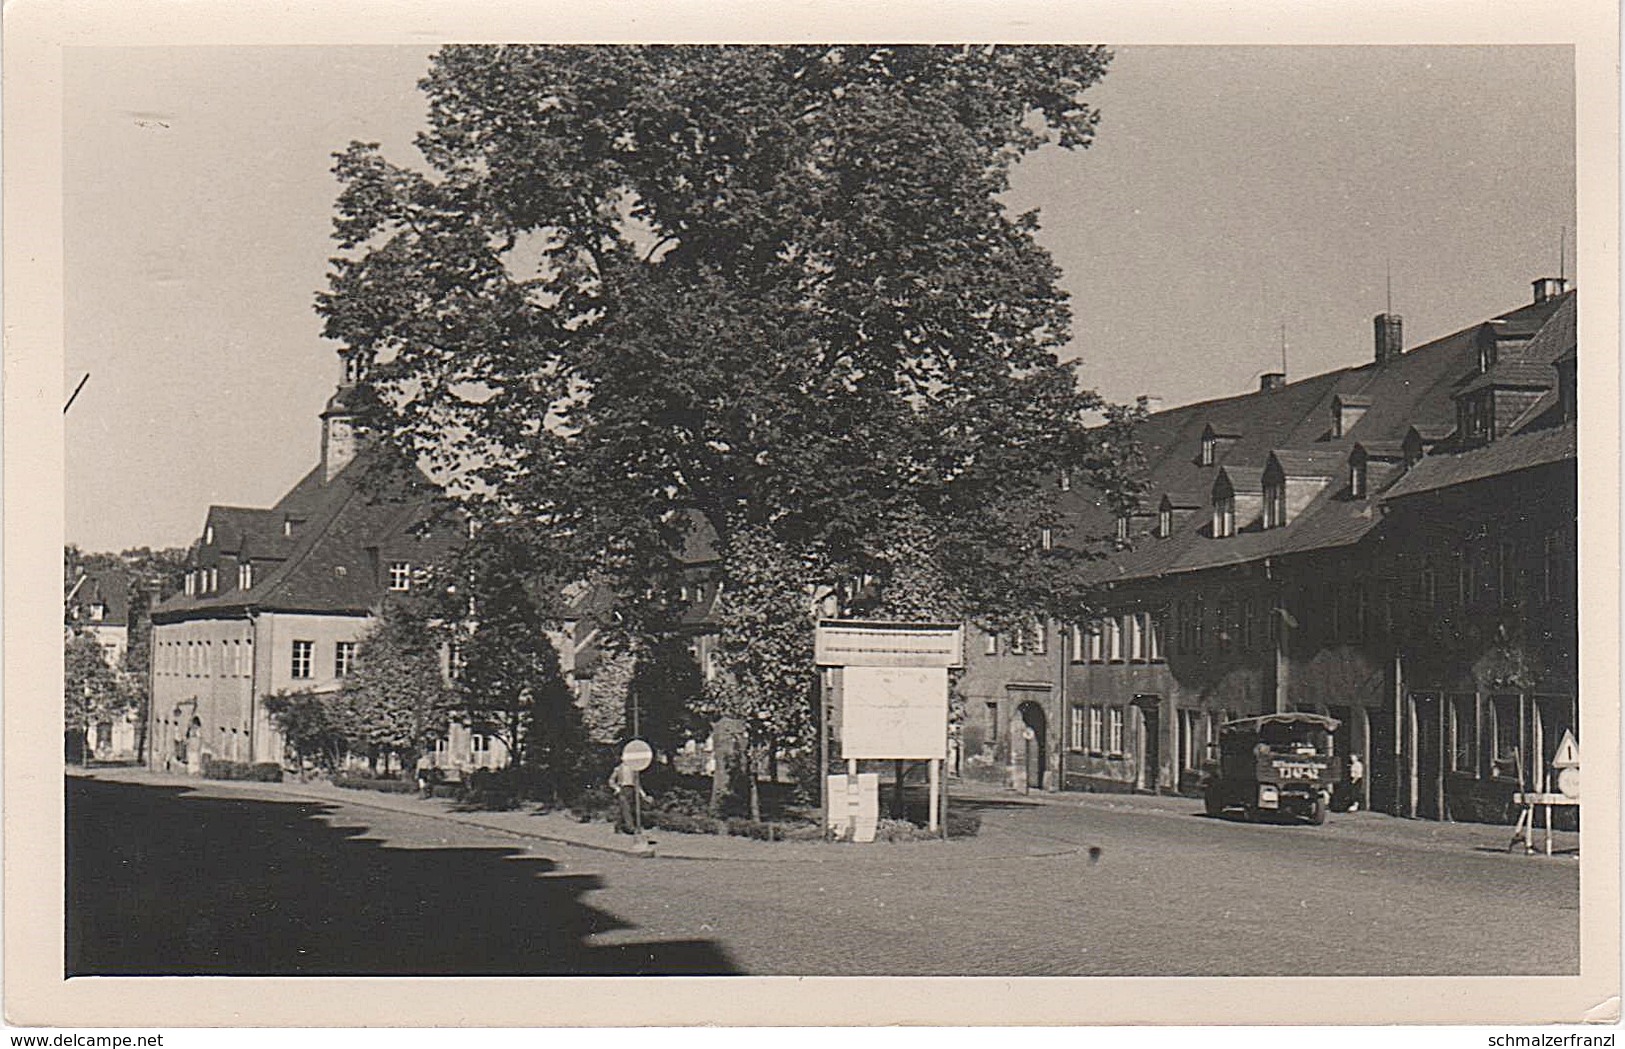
(230, 879)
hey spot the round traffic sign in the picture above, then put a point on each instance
(1568, 781)
(637, 755)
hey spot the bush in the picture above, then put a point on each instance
(497, 790)
(680, 823)
(594, 803)
(353, 781)
(264, 772)
(684, 801)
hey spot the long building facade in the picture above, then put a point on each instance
(1391, 544)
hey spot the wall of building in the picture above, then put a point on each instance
(1006, 692)
(276, 633)
(202, 689)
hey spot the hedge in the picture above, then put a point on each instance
(264, 772)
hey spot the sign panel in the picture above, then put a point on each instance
(1568, 752)
(857, 643)
(894, 712)
(637, 755)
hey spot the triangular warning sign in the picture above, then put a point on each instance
(1568, 753)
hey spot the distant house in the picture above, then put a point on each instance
(1392, 544)
(99, 606)
(278, 598)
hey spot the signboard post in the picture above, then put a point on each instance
(893, 699)
(637, 756)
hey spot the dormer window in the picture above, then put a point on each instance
(98, 612)
(191, 583)
(1065, 480)
(1476, 415)
(1210, 448)
(245, 576)
(1274, 502)
(1224, 516)
(208, 535)
(1046, 537)
(1346, 411)
(290, 525)
(1165, 522)
(400, 575)
(1122, 528)
(1357, 479)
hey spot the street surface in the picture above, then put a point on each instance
(253, 879)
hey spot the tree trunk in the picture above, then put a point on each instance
(755, 793)
(720, 739)
(898, 809)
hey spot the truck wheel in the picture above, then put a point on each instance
(1317, 815)
(1211, 802)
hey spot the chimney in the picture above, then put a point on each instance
(1548, 288)
(1271, 381)
(1390, 332)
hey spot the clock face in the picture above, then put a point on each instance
(1568, 781)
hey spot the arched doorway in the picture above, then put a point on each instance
(1033, 739)
(194, 746)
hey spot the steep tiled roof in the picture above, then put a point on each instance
(1510, 454)
(108, 587)
(331, 562)
(1294, 422)
(1514, 373)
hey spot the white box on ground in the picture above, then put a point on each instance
(854, 806)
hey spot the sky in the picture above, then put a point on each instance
(1230, 191)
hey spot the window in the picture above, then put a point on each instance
(1040, 638)
(1509, 573)
(1464, 732)
(1114, 730)
(191, 582)
(98, 612)
(1505, 714)
(1274, 504)
(1551, 566)
(1165, 523)
(1114, 639)
(1210, 445)
(990, 644)
(1477, 413)
(1134, 626)
(456, 660)
(343, 658)
(208, 535)
(245, 576)
(1153, 635)
(304, 653)
(1122, 528)
(1065, 480)
(1018, 641)
(1046, 539)
(992, 723)
(1078, 642)
(479, 743)
(1093, 642)
(1075, 728)
(1224, 517)
(1190, 742)
(1429, 584)
(1096, 733)
(400, 575)
(1357, 480)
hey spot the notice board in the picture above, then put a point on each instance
(894, 712)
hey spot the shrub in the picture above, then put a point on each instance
(353, 781)
(685, 801)
(492, 790)
(680, 823)
(264, 772)
(593, 803)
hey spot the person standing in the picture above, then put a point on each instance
(623, 780)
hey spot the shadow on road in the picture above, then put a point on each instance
(161, 882)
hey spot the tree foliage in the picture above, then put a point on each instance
(774, 285)
(91, 690)
(396, 697)
(312, 724)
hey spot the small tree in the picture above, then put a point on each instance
(311, 724)
(397, 696)
(91, 691)
(767, 680)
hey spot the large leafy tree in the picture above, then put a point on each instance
(774, 285)
(91, 690)
(775, 290)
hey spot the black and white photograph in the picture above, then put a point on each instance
(832, 508)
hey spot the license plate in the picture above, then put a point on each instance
(1298, 771)
(1268, 797)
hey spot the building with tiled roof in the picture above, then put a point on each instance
(277, 599)
(1292, 530)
